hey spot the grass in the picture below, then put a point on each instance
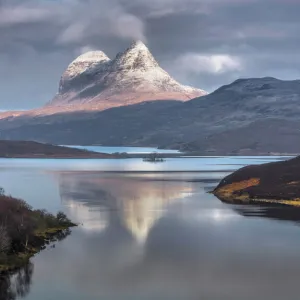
(292, 202)
(233, 193)
(15, 261)
(228, 192)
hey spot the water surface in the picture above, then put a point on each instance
(146, 233)
(131, 150)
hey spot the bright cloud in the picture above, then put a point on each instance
(199, 63)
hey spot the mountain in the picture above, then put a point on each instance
(249, 116)
(93, 81)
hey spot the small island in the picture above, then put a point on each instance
(25, 231)
(271, 183)
(153, 158)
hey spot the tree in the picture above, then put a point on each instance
(4, 240)
(62, 217)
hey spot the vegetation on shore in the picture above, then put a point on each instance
(271, 183)
(24, 231)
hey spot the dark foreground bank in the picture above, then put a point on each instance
(24, 231)
(277, 183)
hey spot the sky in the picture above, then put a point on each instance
(203, 43)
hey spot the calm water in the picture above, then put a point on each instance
(153, 234)
(132, 150)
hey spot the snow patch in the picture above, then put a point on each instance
(94, 77)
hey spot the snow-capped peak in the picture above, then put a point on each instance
(92, 56)
(133, 76)
(85, 62)
(137, 56)
(139, 46)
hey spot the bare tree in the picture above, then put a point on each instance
(4, 240)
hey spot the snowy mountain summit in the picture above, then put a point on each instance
(93, 81)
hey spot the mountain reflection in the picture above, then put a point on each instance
(139, 202)
(16, 285)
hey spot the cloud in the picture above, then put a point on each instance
(205, 43)
(69, 22)
(84, 49)
(22, 15)
(128, 26)
(198, 63)
(73, 33)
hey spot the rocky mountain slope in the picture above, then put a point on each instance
(248, 116)
(93, 81)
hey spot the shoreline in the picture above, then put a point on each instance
(95, 155)
(42, 239)
(244, 199)
(275, 183)
(25, 231)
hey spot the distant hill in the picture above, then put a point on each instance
(27, 149)
(248, 116)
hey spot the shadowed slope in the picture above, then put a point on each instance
(277, 182)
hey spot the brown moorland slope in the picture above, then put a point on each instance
(276, 183)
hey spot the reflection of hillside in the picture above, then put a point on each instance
(283, 213)
(94, 200)
(275, 212)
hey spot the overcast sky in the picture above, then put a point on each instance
(204, 43)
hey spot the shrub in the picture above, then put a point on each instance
(5, 242)
(20, 224)
(62, 217)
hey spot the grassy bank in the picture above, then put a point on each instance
(25, 231)
(272, 183)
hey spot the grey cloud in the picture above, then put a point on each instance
(43, 36)
(18, 15)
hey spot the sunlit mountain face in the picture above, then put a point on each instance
(136, 203)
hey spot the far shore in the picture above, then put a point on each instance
(95, 155)
(32, 150)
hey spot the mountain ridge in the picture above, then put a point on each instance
(93, 80)
(247, 117)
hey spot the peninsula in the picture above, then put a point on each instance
(25, 231)
(271, 183)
